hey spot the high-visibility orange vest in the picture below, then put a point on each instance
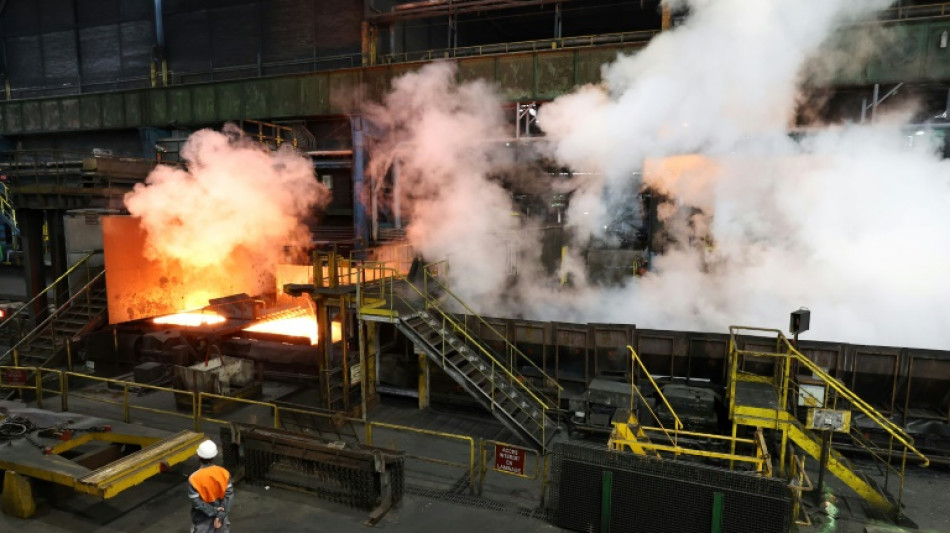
(210, 482)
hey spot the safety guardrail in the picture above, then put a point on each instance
(17, 315)
(384, 289)
(677, 423)
(49, 323)
(581, 41)
(786, 386)
(799, 482)
(199, 399)
(470, 466)
(789, 352)
(916, 12)
(126, 404)
(433, 274)
(20, 383)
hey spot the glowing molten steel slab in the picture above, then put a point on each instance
(191, 319)
(297, 326)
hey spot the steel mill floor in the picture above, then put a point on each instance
(437, 497)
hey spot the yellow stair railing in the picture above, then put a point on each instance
(630, 433)
(384, 290)
(26, 331)
(785, 386)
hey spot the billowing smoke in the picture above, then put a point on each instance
(850, 222)
(443, 140)
(233, 199)
(729, 72)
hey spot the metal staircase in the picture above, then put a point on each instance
(765, 390)
(524, 404)
(861, 483)
(473, 366)
(47, 342)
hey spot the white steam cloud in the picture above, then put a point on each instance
(444, 138)
(850, 222)
(234, 197)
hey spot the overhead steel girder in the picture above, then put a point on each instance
(523, 76)
(913, 55)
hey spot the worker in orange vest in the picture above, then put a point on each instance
(211, 492)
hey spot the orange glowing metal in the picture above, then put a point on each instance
(297, 326)
(191, 318)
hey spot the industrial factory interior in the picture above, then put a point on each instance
(475, 265)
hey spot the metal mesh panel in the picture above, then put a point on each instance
(349, 478)
(661, 495)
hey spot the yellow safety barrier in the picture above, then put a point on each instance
(333, 418)
(37, 385)
(451, 436)
(500, 370)
(127, 406)
(799, 482)
(202, 395)
(783, 415)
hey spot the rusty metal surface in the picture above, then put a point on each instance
(138, 287)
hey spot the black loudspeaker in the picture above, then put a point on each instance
(799, 321)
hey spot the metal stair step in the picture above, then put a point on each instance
(78, 321)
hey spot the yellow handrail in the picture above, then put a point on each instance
(513, 348)
(451, 436)
(636, 359)
(677, 424)
(855, 435)
(869, 411)
(64, 275)
(461, 329)
(48, 320)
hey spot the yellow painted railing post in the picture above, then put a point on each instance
(125, 404)
(194, 410)
(65, 389)
(198, 415)
(482, 465)
(471, 465)
(38, 376)
(369, 433)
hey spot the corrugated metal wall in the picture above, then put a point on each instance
(55, 47)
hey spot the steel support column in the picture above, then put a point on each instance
(57, 249)
(31, 231)
(423, 379)
(359, 158)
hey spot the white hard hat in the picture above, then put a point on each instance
(208, 450)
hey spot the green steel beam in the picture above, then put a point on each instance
(913, 54)
(538, 75)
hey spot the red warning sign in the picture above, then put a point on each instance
(15, 376)
(509, 459)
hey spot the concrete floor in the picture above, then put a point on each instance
(165, 508)
(437, 497)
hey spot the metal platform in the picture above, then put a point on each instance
(756, 394)
(81, 452)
